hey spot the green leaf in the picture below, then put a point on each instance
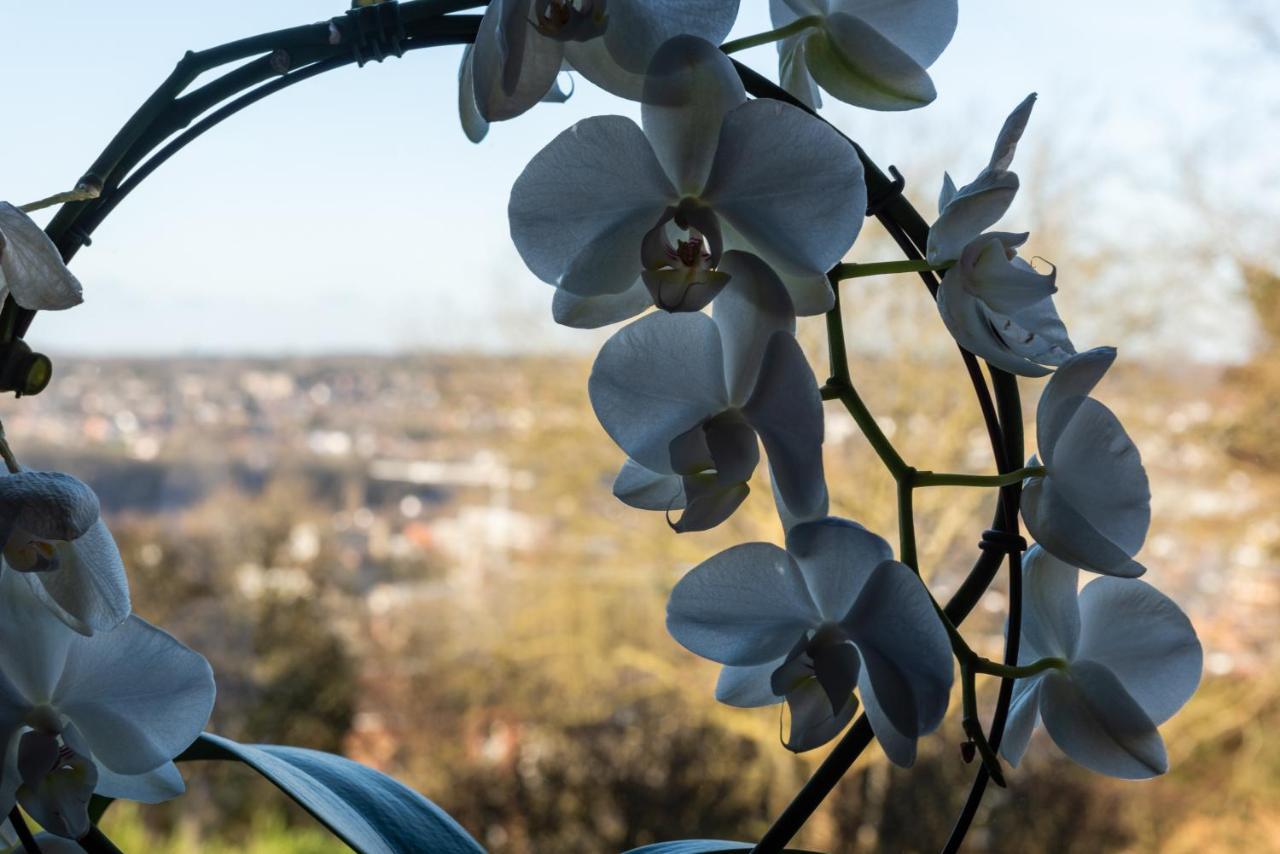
(703, 846)
(364, 808)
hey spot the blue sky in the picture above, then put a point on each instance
(349, 213)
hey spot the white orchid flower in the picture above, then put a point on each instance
(965, 213)
(1131, 657)
(595, 210)
(999, 308)
(103, 714)
(31, 268)
(808, 624)
(55, 541)
(522, 45)
(869, 53)
(686, 396)
(1092, 507)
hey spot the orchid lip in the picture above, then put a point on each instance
(565, 20)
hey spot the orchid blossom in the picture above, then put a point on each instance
(1092, 506)
(869, 53)
(80, 715)
(994, 303)
(1128, 660)
(522, 46)
(686, 396)
(594, 211)
(999, 308)
(55, 541)
(808, 624)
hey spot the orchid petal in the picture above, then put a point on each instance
(1145, 639)
(793, 71)
(596, 188)
(920, 28)
(1095, 721)
(31, 267)
(89, 591)
(603, 310)
(690, 87)
(1050, 616)
(786, 411)
(708, 502)
(139, 696)
(46, 505)
(837, 557)
(638, 28)
(638, 487)
(791, 519)
(748, 687)
(513, 65)
(1010, 134)
(473, 124)
(655, 379)
(854, 62)
(1067, 534)
(971, 210)
(151, 787)
(1062, 396)
(789, 184)
(812, 722)
(1097, 470)
(748, 312)
(1024, 714)
(906, 654)
(746, 605)
(33, 643)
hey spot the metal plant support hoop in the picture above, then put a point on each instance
(285, 57)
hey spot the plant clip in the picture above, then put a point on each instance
(22, 371)
(876, 206)
(80, 235)
(375, 31)
(1002, 541)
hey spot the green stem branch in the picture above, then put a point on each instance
(799, 25)
(929, 478)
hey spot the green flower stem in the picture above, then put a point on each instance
(83, 193)
(928, 478)
(907, 521)
(1006, 671)
(973, 725)
(799, 25)
(840, 387)
(885, 268)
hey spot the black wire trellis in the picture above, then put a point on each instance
(169, 120)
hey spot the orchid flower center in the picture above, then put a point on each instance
(570, 20)
(689, 253)
(683, 277)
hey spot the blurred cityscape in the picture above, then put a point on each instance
(417, 562)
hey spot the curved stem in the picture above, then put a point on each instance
(19, 823)
(168, 110)
(96, 842)
(799, 25)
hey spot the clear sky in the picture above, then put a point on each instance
(350, 213)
